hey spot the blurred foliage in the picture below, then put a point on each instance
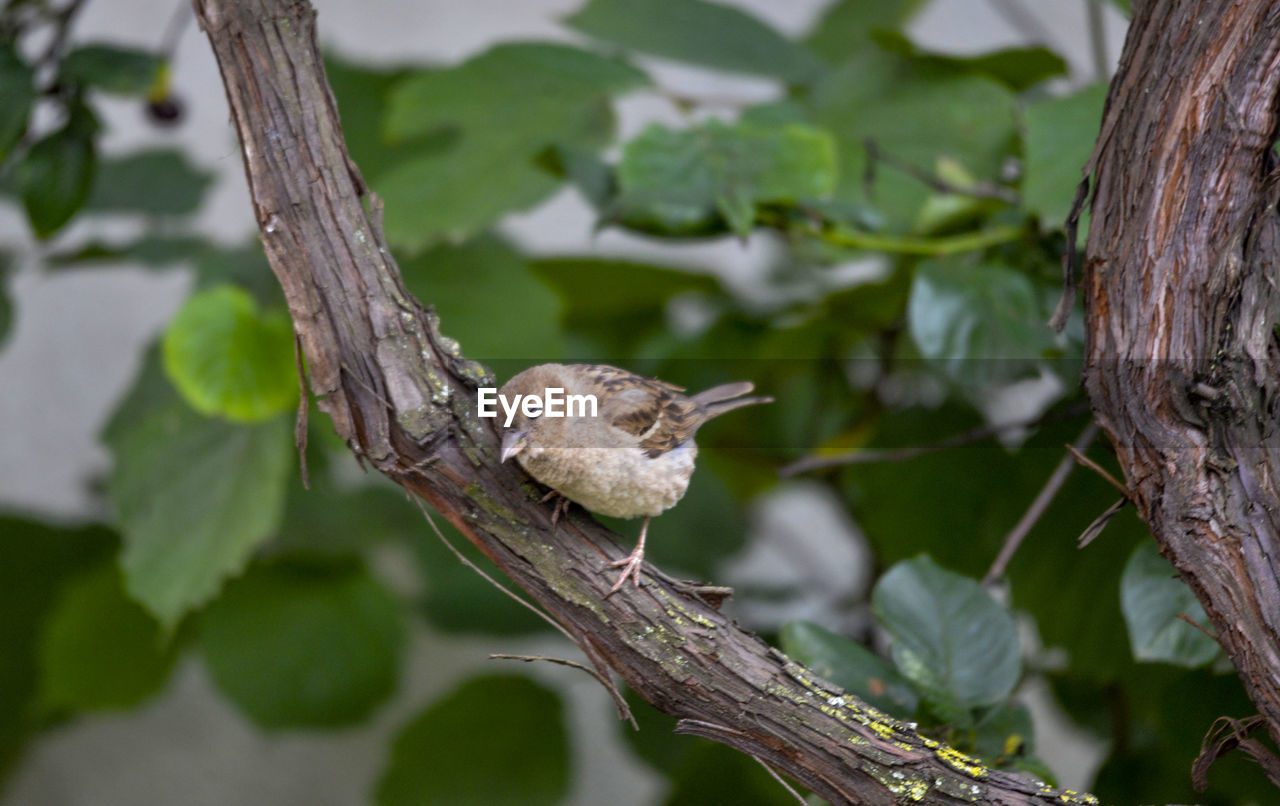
(915, 201)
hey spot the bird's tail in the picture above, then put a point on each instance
(727, 397)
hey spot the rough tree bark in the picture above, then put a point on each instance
(1182, 300)
(402, 396)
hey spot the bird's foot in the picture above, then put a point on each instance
(630, 566)
(561, 507)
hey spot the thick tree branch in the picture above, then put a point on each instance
(1182, 296)
(403, 398)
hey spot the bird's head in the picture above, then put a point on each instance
(524, 430)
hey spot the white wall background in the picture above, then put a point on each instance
(59, 383)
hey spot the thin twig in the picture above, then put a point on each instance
(304, 411)
(572, 664)
(1199, 627)
(178, 22)
(1101, 471)
(1097, 38)
(619, 702)
(977, 190)
(1099, 523)
(467, 562)
(1070, 259)
(1038, 506)
(62, 20)
(862, 457)
(783, 781)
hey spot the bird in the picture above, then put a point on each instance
(630, 456)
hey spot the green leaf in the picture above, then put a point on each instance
(679, 181)
(851, 666)
(949, 635)
(1060, 137)
(155, 182)
(330, 520)
(17, 88)
(846, 26)
(55, 178)
(915, 113)
(1153, 599)
(1016, 68)
(114, 69)
(502, 108)
(229, 359)
(35, 561)
(617, 303)
(297, 644)
(100, 649)
(519, 756)
(488, 299)
(363, 95)
(702, 33)
(978, 323)
(193, 495)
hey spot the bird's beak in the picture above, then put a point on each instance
(512, 443)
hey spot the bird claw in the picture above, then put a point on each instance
(630, 566)
(561, 507)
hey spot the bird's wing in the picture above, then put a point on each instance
(653, 411)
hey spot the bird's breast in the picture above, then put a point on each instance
(618, 482)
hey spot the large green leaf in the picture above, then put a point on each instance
(502, 108)
(229, 359)
(979, 323)
(363, 95)
(489, 300)
(617, 304)
(194, 496)
(35, 561)
(17, 88)
(851, 666)
(1017, 68)
(56, 175)
(1153, 600)
(699, 32)
(297, 644)
(681, 181)
(99, 648)
(156, 182)
(916, 113)
(846, 26)
(495, 741)
(111, 68)
(949, 636)
(1060, 137)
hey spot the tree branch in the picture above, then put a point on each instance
(403, 398)
(1182, 302)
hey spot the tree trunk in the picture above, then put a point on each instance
(1195, 430)
(1182, 299)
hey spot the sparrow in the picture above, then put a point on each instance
(630, 457)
